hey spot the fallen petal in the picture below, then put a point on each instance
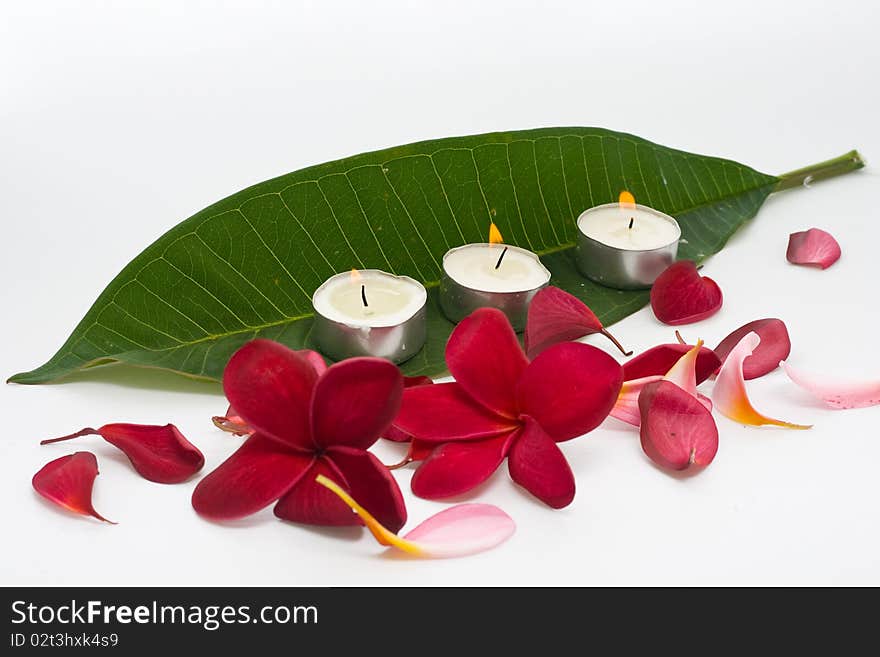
(458, 531)
(775, 346)
(626, 408)
(813, 247)
(729, 393)
(840, 395)
(68, 482)
(677, 431)
(158, 453)
(657, 361)
(681, 296)
(557, 316)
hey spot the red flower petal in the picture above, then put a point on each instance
(271, 387)
(657, 361)
(371, 484)
(315, 359)
(392, 432)
(681, 296)
(569, 389)
(538, 465)
(68, 482)
(813, 247)
(444, 412)
(557, 316)
(158, 453)
(355, 401)
(775, 346)
(455, 468)
(256, 474)
(486, 360)
(311, 503)
(677, 431)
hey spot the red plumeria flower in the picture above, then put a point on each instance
(306, 423)
(501, 405)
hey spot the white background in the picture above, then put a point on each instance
(119, 120)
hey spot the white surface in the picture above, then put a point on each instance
(474, 266)
(115, 124)
(391, 299)
(635, 228)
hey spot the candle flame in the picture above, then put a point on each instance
(495, 234)
(356, 276)
(626, 199)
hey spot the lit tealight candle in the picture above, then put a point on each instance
(370, 313)
(625, 245)
(491, 274)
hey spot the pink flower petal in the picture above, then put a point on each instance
(729, 393)
(444, 412)
(569, 389)
(355, 401)
(232, 423)
(271, 387)
(677, 431)
(484, 356)
(458, 531)
(626, 408)
(657, 361)
(813, 247)
(455, 468)
(681, 296)
(256, 474)
(537, 464)
(68, 482)
(840, 395)
(557, 316)
(775, 346)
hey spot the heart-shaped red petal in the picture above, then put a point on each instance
(814, 248)
(158, 453)
(68, 482)
(775, 346)
(557, 316)
(677, 431)
(681, 296)
(657, 361)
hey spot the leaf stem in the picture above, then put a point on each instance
(827, 169)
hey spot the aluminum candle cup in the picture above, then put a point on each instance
(370, 313)
(625, 246)
(478, 276)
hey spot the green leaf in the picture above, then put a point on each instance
(246, 266)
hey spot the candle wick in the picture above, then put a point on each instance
(364, 296)
(631, 220)
(500, 258)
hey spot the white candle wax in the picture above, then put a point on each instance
(631, 228)
(391, 300)
(476, 266)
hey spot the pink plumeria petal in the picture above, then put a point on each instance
(840, 395)
(813, 247)
(458, 531)
(626, 409)
(729, 393)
